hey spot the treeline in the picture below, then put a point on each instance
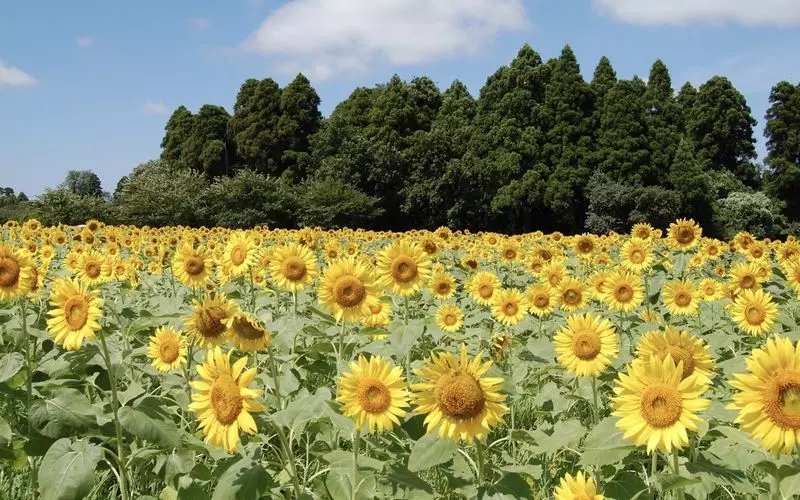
(540, 148)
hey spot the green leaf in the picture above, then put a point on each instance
(5, 432)
(605, 445)
(667, 482)
(343, 461)
(510, 486)
(244, 479)
(69, 411)
(399, 475)
(67, 470)
(402, 338)
(625, 486)
(565, 434)
(431, 450)
(148, 420)
(302, 410)
(339, 485)
(10, 365)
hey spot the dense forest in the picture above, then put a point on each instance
(540, 148)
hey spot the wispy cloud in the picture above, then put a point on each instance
(199, 23)
(752, 12)
(84, 41)
(325, 38)
(11, 76)
(155, 108)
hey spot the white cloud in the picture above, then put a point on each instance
(751, 12)
(199, 23)
(155, 108)
(328, 37)
(84, 41)
(12, 76)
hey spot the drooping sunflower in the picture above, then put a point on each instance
(509, 306)
(208, 323)
(754, 311)
(681, 298)
(449, 318)
(74, 313)
(403, 268)
(656, 405)
(587, 344)
(223, 401)
(239, 255)
(443, 285)
(768, 396)
(92, 268)
(248, 333)
(482, 287)
(636, 255)
(192, 267)
(684, 234)
(580, 487)
(345, 288)
(542, 300)
(167, 349)
(682, 346)
(293, 267)
(456, 397)
(571, 295)
(624, 291)
(373, 394)
(16, 269)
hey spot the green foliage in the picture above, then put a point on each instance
(752, 212)
(333, 204)
(62, 206)
(248, 199)
(783, 143)
(82, 183)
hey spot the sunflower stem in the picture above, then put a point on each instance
(774, 487)
(23, 311)
(653, 466)
(594, 399)
(287, 450)
(187, 372)
(294, 303)
(252, 293)
(340, 351)
(481, 460)
(676, 469)
(354, 487)
(123, 480)
(275, 379)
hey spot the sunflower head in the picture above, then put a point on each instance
(248, 333)
(346, 288)
(586, 345)
(16, 269)
(74, 313)
(684, 234)
(509, 306)
(373, 393)
(167, 349)
(449, 318)
(208, 325)
(693, 354)
(403, 267)
(580, 487)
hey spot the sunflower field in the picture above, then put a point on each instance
(180, 363)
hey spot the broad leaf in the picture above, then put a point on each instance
(148, 420)
(431, 450)
(68, 412)
(67, 470)
(244, 479)
(10, 365)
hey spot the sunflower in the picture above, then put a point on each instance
(92, 268)
(656, 405)
(192, 267)
(642, 230)
(74, 313)
(554, 272)
(684, 234)
(239, 255)
(586, 345)
(208, 323)
(449, 318)
(443, 285)
(597, 284)
(650, 316)
(754, 311)
(293, 267)
(346, 287)
(623, 291)
(16, 269)
(571, 295)
(247, 333)
(683, 347)
(509, 251)
(681, 298)
(710, 289)
(541, 300)
(403, 267)
(167, 349)
(380, 313)
(456, 398)
(509, 306)
(745, 276)
(712, 249)
(223, 399)
(373, 394)
(636, 255)
(580, 487)
(768, 396)
(793, 276)
(482, 287)
(500, 343)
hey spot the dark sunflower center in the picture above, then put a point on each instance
(623, 292)
(683, 298)
(586, 345)
(486, 290)
(226, 399)
(541, 300)
(585, 246)
(679, 354)
(92, 270)
(168, 350)
(76, 312)
(209, 322)
(404, 269)
(429, 247)
(754, 314)
(450, 319)
(685, 235)
(747, 282)
(510, 308)
(246, 330)
(9, 272)
(194, 266)
(459, 395)
(637, 256)
(373, 396)
(572, 297)
(661, 406)
(781, 400)
(238, 254)
(349, 291)
(443, 288)
(294, 268)
(510, 254)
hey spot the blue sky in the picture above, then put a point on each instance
(90, 84)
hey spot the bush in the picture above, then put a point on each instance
(334, 204)
(62, 206)
(754, 212)
(249, 199)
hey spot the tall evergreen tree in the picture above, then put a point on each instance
(721, 126)
(685, 99)
(687, 178)
(300, 119)
(783, 145)
(177, 131)
(208, 149)
(254, 125)
(663, 120)
(604, 78)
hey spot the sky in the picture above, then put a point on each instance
(90, 84)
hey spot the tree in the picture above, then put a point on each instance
(64, 206)
(604, 77)
(158, 193)
(686, 176)
(82, 183)
(721, 127)
(334, 204)
(783, 146)
(177, 131)
(299, 120)
(248, 199)
(208, 148)
(755, 213)
(254, 125)
(663, 120)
